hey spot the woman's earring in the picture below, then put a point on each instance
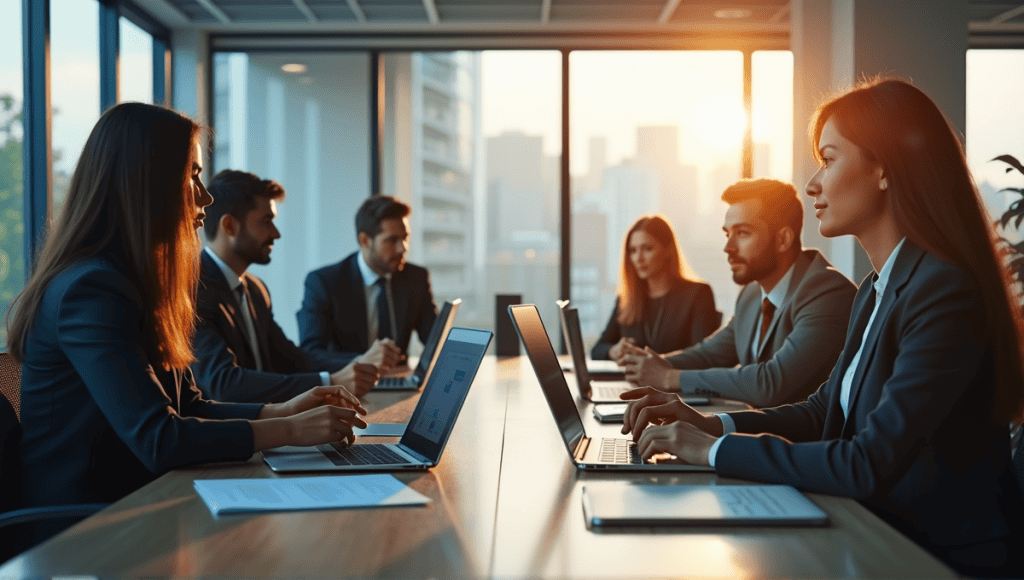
(884, 184)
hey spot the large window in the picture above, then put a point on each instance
(136, 58)
(652, 133)
(472, 141)
(12, 253)
(995, 122)
(302, 120)
(772, 114)
(75, 85)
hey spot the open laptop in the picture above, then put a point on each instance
(411, 380)
(431, 423)
(606, 391)
(599, 370)
(586, 453)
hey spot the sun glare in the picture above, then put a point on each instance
(721, 121)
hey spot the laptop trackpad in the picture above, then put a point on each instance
(381, 430)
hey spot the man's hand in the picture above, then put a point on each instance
(383, 354)
(649, 368)
(357, 376)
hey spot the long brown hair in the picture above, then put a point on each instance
(633, 296)
(936, 205)
(129, 199)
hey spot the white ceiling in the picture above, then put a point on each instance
(707, 17)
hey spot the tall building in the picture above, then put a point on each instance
(432, 137)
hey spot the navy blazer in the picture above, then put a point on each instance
(687, 317)
(333, 313)
(99, 420)
(225, 366)
(920, 447)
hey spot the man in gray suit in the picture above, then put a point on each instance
(791, 316)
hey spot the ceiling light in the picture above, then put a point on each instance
(732, 13)
(293, 68)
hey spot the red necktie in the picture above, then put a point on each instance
(767, 312)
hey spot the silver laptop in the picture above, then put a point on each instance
(431, 423)
(586, 453)
(411, 380)
(599, 370)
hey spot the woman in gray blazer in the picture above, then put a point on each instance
(913, 420)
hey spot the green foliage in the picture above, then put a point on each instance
(12, 226)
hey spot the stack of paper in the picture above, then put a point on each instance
(224, 496)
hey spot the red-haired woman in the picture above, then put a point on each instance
(660, 304)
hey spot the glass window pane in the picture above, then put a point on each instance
(652, 132)
(136, 58)
(75, 90)
(995, 122)
(12, 228)
(473, 143)
(308, 130)
(772, 114)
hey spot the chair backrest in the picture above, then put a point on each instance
(10, 430)
(10, 381)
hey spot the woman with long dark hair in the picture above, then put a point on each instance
(104, 326)
(661, 304)
(914, 419)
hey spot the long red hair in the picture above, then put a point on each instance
(129, 198)
(633, 295)
(936, 205)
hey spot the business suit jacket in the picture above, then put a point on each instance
(333, 313)
(803, 342)
(98, 419)
(920, 447)
(225, 366)
(688, 316)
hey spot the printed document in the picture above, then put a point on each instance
(225, 496)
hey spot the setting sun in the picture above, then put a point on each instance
(720, 120)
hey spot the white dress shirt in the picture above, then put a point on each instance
(234, 281)
(372, 293)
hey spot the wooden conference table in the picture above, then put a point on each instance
(505, 503)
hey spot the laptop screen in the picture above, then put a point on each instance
(439, 405)
(549, 372)
(439, 329)
(571, 327)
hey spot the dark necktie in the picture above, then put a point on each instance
(384, 329)
(250, 326)
(767, 312)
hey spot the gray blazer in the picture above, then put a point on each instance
(803, 341)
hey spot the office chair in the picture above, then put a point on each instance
(10, 438)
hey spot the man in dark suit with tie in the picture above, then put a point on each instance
(242, 354)
(369, 303)
(791, 315)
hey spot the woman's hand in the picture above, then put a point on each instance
(320, 415)
(323, 425)
(649, 406)
(622, 348)
(336, 395)
(682, 439)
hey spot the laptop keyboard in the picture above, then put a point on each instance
(395, 382)
(619, 450)
(603, 392)
(363, 454)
